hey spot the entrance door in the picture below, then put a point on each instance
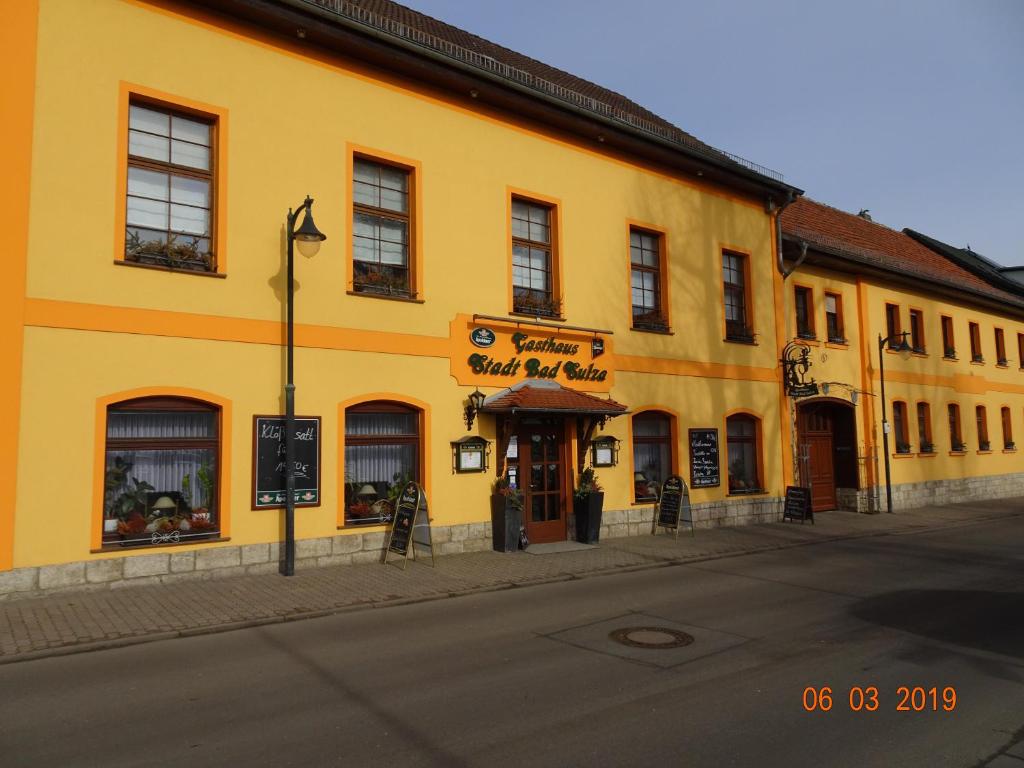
(816, 437)
(542, 472)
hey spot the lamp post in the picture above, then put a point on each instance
(309, 238)
(897, 342)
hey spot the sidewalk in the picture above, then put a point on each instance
(83, 621)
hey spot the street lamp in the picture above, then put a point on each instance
(309, 238)
(897, 342)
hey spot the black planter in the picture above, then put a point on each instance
(588, 517)
(506, 520)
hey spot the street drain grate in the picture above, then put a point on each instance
(653, 638)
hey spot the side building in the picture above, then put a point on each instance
(947, 332)
(494, 226)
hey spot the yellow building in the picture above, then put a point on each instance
(607, 283)
(953, 398)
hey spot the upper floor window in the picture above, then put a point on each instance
(892, 321)
(804, 303)
(382, 454)
(1007, 420)
(381, 227)
(646, 280)
(1001, 348)
(981, 417)
(956, 440)
(653, 453)
(161, 472)
(924, 428)
(975, 333)
(917, 331)
(834, 318)
(736, 284)
(533, 260)
(170, 192)
(743, 443)
(1020, 350)
(900, 426)
(948, 340)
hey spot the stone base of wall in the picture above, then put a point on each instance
(911, 495)
(616, 523)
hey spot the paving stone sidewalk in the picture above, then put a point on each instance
(82, 621)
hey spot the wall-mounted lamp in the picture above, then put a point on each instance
(476, 402)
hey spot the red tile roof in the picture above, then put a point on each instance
(549, 396)
(846, 234)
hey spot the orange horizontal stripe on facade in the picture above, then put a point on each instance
(962, 383)
(674, 367)
(48, 313)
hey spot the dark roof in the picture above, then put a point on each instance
(539, 396)
(854, 238)
(969, 260)
(402, 22)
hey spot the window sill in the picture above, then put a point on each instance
(928, 455)
(1002, 365)
(748, 342)
(958, 453)
(644, 502)
(1009, 450)
(919, 354)
(371, 528)
(746, 494)
(812, 342)
(386, 297)
(907, 455)
(664, 332)
(161, 268)
(949, 359)
(983, 453)
(556, 318)
(837, 344)
(977, 362)
(116, 547)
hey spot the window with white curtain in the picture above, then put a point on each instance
(161, 469)
(652, 453)
(382, 448)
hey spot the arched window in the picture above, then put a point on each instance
(161, 471)
(743, 438)
(652, 453)
(382, 453)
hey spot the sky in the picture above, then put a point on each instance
(913, 109)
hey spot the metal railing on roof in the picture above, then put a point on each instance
(489, 64)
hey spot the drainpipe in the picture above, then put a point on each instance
(771, 207)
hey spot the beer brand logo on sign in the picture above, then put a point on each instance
(482, 337)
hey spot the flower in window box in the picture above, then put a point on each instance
(807, 335)
(984, 445)
(950, 352)
(737, 332)
(537, 305)
(652, 320)
(927, 447)
(837, 340)
(1010, 446)
(959, 447)
(1002, 361)
(902, 447)
(977, 358)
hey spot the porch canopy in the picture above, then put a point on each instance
(548, 398)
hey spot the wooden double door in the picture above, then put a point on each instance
(540, 465)
(825, 435)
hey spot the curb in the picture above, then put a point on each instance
(232, 626)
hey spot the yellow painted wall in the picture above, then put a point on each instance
(96, 329)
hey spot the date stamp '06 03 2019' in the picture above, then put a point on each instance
(866, 699)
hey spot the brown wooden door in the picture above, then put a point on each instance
(817, 442)
(542, 478)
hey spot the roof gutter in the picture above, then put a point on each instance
(302, 6)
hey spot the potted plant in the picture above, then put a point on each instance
(902, 447)
(958, 446)
(950, 353)
(588, 504)
(506, 515)
(927, 447)
(984, 445)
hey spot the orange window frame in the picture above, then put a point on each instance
(673, 420)
(956, 436)
(900, 415)
(840, 338)
(1020, 351)
(554, 206)
(758, 449)
(131, 93)
(748, 295)
(664, 281)
(1000, 338)
(893, 323)
(1006, 417)
(917, 336)
(948, 338)
(981, 421)
(924, 426)
(810, 333)
(975, 334)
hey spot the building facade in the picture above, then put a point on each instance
(612, 286)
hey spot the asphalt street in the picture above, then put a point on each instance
(531, 677)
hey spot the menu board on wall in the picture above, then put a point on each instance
(704, 459)
(268, 462)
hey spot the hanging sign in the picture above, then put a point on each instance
(797, 505)
(410, 526)
(268, 462)
(673, 505)
(704, 460)
(502, 355)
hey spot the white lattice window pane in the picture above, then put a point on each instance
(538, 281)
(194, 221)
(145, 183)
(520, 210)
(366, 226)
(636, 280)
(365, 249)
(190, 191)
(538, 215)
(540, 233)
(190, 130)
(152, 147)
(520, 277)
(191, 155)
(393, 253)
(520, 228)
(366, 194)
(148, 120)
(538, 259)
(393, 200)
(638, 297)
(393, 231)
(520, 256)
(147, 213)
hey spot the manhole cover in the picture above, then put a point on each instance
(650, 637)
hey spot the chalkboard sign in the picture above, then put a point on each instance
(673, 505)
(268, 464)
(704, 471)
(411, 525)
(798, 504)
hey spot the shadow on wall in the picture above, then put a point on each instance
(984, 621)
